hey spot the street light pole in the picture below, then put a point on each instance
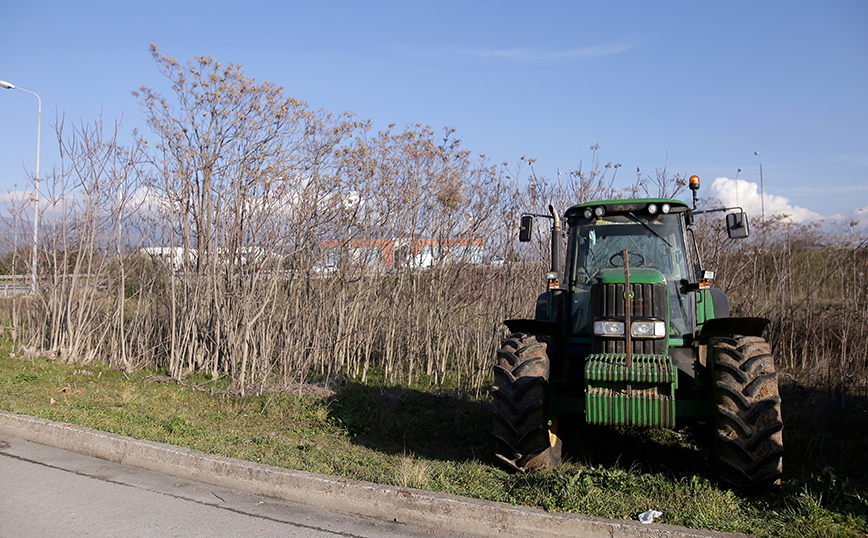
(762, 190)
(10, 86)
(736, 185)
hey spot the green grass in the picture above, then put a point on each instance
(439, 441)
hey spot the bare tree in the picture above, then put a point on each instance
(662, 185)
(71, 316)
(232, 157)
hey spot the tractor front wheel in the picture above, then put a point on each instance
(748, 446)
(523, 438)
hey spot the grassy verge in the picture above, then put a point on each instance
(440, 442)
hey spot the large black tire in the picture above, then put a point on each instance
(747, 448)
(522, 437)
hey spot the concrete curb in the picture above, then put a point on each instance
(407, 506)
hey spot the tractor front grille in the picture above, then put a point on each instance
(649, 301)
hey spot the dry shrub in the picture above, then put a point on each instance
(811, 283)
(298, 246)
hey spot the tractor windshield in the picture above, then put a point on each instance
(654, 242)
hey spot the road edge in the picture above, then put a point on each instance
(402, 505)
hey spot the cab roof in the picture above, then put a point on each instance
(635, 205)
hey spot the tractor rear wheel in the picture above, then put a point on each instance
(748, 444)
(522, 436)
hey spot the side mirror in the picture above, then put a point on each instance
(737, 225)
(525, 230)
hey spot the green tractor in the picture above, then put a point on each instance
(631, 333)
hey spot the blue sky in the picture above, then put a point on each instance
(702, 84)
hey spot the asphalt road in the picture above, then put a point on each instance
(46, 491)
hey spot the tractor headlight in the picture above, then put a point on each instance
(652, 208)
(599, 211)
(665, 208)
(609, 328)
(588, 213)
(648, 329)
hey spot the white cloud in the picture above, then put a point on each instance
(746, 194)
(14, 196)
(857, 218)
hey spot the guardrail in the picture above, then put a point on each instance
(14, 285)
(7, 290)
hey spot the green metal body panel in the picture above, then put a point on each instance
(704, 308)
(638, 275)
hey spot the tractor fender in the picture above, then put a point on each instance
(728, 325)
(542, 307)
(720, 303)
(534, 326)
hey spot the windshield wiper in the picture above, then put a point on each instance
(650, 229)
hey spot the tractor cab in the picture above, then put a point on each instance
(648, 238)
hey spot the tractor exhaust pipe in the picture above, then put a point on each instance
(554, 276)
(557, 241)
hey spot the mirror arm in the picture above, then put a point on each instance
(716, 210)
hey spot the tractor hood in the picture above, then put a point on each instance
(638, 275)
